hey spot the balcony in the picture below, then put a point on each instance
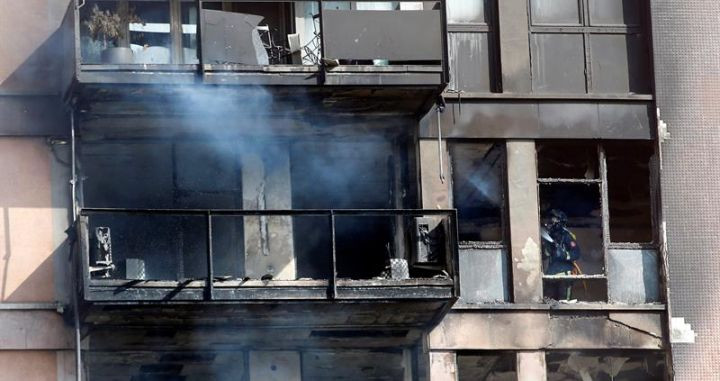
(289, 268)
(384, 46)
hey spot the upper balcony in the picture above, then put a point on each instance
(323, 44)
(303, 268)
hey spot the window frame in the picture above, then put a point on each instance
(607, 244)
(504, 208)
(586, 28)
(488, 28)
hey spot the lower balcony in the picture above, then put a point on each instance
(268, 268)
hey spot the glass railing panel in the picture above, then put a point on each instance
(261, 33)
(382, 33)
(392, 247)
(147, 247)
(138, 32)
(267, 245)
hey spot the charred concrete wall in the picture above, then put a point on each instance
(687, 69)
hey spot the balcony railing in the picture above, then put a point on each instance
(250, 255)
(266, 36)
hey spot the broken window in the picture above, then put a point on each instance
(572, 224)
(478, 178)
(478, 190)
(594, 46)
(138, 32)
(591, 195)
(608, 365)
(486, 366)
(472, 46)
(629, 191)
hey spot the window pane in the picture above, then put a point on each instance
(376, 6)
(478, 193)
(144, 35)
(578, 160)
(555, 12)
(486, 366)
(470, 67)
(620, 63)
(558, 63)
(339, 5)
(466, 12)
(629, 192)
(484, 276)
(633, 276)
(189, 33)
(615, 12)
(579, 236)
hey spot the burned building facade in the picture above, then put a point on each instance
(353, 190)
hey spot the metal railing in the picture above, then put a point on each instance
(447, 222)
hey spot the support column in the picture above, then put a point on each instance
(531, 366)
(443, 366)
(275, 366)
(524, 222)
(514, 46)
(266, 184)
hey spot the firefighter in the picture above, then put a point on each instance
(561, 248)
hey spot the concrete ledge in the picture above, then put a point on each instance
(33, 330)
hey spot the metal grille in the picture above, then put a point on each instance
(687, 65)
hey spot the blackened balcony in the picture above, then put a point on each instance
(307, 268)
(330, 46)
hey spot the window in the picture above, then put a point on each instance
(589, 46)
(472, 45)
(478, 178)
(606, 366)
(596, 210)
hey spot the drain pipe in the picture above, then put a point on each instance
(76, 312)
(439, 109)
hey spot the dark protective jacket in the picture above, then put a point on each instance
(563, 251)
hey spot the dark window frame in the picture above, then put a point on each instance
(489, 28)
(587, 29)
(601, 180)
(503, 243)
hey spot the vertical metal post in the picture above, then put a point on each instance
(74, 261)
(198, 35)
(176, 32)
(453, 260)
(332, 281)
(605, 207)
(446, 56)
(210, 275)
(322, 32)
